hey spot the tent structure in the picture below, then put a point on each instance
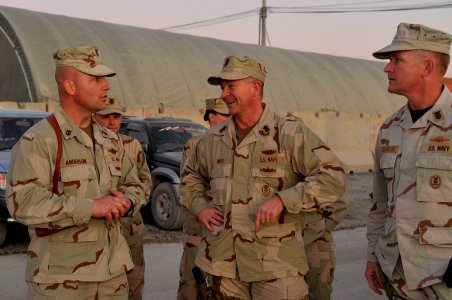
(342, 99)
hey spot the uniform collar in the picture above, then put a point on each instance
(264, 127)
(70, 130)
(439, 114)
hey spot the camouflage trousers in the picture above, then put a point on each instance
(192, 239)
(396, 288)
(115, 289)
(322, 261)
(135, 277)
(294, 288)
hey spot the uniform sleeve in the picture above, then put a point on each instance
(377, 213)
(144, 174)
(29, 184)
(324, 177)
(194, 180)
(130, 184)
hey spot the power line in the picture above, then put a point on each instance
(352, 7)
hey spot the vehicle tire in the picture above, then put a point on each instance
(2, 232)
(165, 209)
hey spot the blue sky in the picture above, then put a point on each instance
(344, 34)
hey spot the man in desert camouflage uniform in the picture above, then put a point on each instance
(319, 245)
(409, 227)
(216, 112)
(262, 171)
(133, 227)
(72, 200)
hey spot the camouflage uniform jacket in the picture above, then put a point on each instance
(277, 156)
(134, 229)
(191, 227)
(411, 213)
(87, 249)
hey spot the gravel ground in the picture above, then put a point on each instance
(358, 187)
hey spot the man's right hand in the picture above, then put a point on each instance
(210, 215)
(112, 207)
(373, 277)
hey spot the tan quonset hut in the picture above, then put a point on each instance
(343, 100)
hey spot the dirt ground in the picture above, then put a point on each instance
(359, 186)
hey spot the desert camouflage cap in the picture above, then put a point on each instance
(113, 107)
(218, 105)
(85, 59)
(416, 37)
(239, 67)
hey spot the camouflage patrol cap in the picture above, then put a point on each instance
(416, 37)
(113, 107)
(239, 67)
(218, 105)
(85, 59)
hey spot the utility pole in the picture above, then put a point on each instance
(262, 25)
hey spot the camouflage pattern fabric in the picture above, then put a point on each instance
(277, 156)
(114, 289)
(411, 213)
(192, 239)
(319, 246)
(133, 228)
(87, 249)
(397, 289)
(294, 288)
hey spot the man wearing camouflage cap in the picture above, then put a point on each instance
(216, 112)
(262, 171)
(133, 227)
(70, 182)
(409, 226)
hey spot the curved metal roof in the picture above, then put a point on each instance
(155, 67)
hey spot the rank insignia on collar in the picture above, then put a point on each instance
(437, 115)
(68, 132)
(265, 130)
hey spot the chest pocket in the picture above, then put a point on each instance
(219, 177)
(75, 179)
(434, 177)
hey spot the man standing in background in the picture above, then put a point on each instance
(133, 227)
(216, 112)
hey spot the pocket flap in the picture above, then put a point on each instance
(77, 173)
(438, 236)
(439, 162)
(276, 231)
(387, 161)
(115, 169)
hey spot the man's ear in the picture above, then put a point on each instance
(69, 87)
(429, 66)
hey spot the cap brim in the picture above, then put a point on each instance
(384, 52)
(216, 80)
(99, 70)
(108, 111)
(223, 110)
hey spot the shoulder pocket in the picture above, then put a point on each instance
(387, 161)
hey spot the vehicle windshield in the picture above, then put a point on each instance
(11, 130)
(173, 138)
